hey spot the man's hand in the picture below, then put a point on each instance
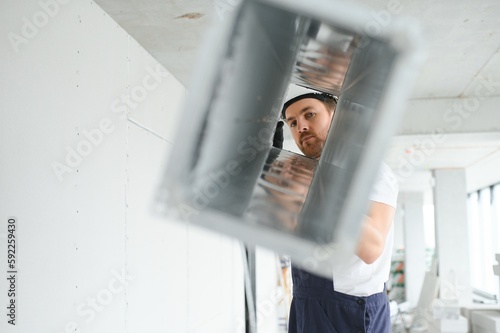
(374, 232)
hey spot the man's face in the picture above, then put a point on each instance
(309, 122)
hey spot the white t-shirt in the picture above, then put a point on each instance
(356, 277)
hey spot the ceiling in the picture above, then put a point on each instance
(457, 92)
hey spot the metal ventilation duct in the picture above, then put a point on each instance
(223, 174)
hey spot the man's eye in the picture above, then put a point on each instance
(309, 114)
(293, 123)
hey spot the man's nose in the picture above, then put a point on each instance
(302, 126)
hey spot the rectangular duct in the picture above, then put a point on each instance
(223, 173)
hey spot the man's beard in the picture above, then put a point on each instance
(313, 147)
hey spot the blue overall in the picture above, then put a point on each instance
(318, 308)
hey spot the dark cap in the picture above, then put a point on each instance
(319, 96)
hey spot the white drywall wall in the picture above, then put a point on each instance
(80, 179)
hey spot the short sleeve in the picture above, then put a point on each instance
(386, 187)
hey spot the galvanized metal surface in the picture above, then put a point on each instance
(224, 174)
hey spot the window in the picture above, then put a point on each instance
(484, 237)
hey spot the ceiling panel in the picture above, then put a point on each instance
(463, 39)
(461, 35)
(488, 79)
(171, 30)
(436, 158)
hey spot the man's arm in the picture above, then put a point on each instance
(375, 228)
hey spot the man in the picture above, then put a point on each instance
(356, 300)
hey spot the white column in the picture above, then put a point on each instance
(452, 241)
(414, 245)
(399, 236)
